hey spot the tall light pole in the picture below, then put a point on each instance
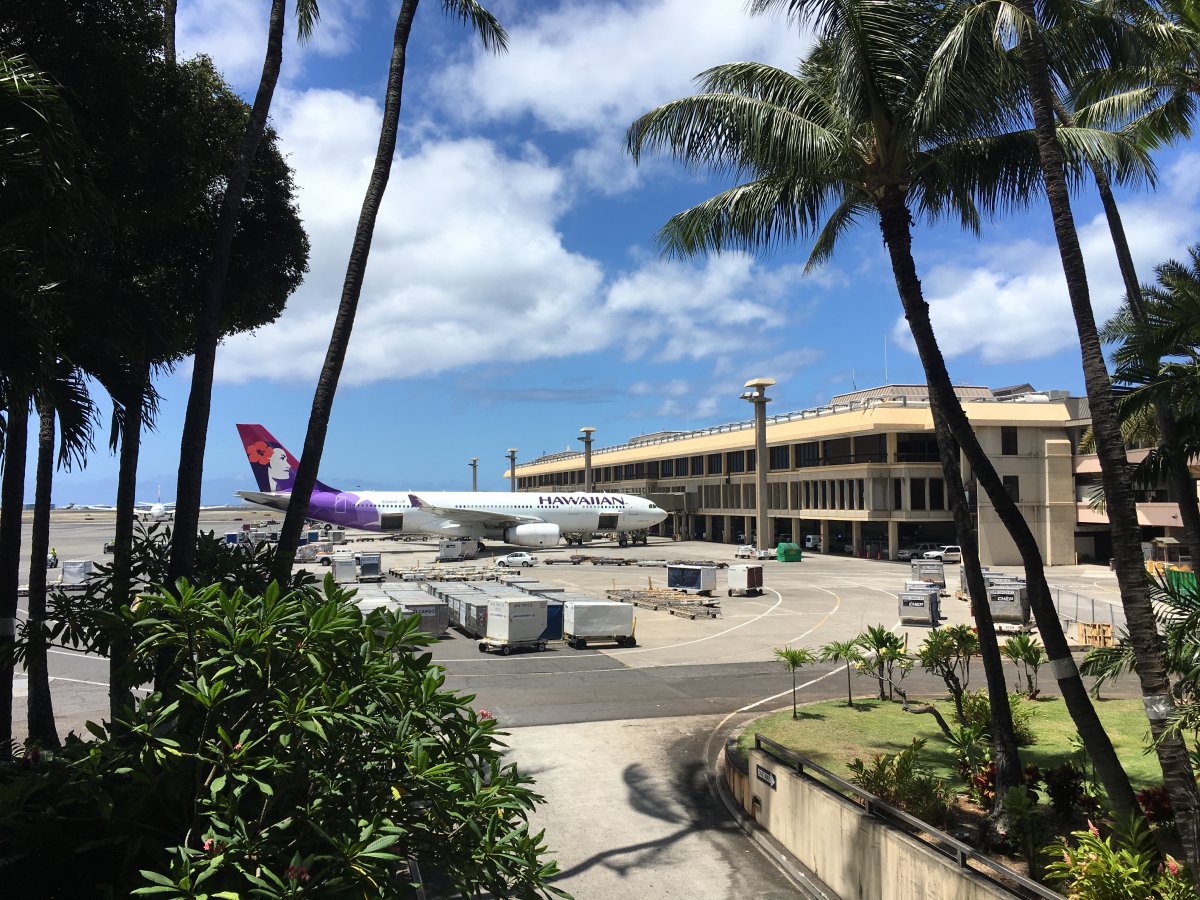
(512, 469)
(587, 458)
(474, 473)
(757, 394)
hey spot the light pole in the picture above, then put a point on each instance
(587, 458)
(757, 394)
(512, 469)
(474, 473)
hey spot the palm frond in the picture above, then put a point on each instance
(482, 22)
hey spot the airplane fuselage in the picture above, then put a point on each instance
(435, 512)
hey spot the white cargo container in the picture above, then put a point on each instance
(599, 620)
(930, 570)
(514, 624)
(344, 568)
(454, 550)
(370, 567)
(77, 571)
(435, 614)
(745, 580)
(701, 579)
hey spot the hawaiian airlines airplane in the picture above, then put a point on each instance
(521, 519)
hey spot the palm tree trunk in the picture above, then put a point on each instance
(120, 650)
(1109, 770)
(12, 499)
(40, 704)
(894, 222)
(208, 321)
(1178, 778)
(849, 690)
(335, 357)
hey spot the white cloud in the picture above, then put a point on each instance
(234, 34)
(468, 266)
(591, 66)
(1014, 306)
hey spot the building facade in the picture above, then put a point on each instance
(862, 472)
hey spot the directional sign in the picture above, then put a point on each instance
(766, 776)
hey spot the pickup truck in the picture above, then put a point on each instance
(950, 553)
(916, 552)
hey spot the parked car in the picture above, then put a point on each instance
(950, 553)
(917, 551)
(517, 560)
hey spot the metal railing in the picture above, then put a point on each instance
(1074, 607)
(947, 845)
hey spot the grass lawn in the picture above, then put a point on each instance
(832, 734)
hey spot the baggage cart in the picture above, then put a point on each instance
(745, 581)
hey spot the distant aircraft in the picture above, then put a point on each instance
(521, 519)
(156, 511)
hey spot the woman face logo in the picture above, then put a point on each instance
(279, 469)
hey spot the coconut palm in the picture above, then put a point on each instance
(208, 320)
(795, 658)
(847, 652)
(494, 38)
(1019, 24)
(857, 134)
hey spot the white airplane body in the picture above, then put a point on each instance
(521, 519)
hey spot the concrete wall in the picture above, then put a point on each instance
(857, 856)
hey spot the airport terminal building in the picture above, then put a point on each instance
(863, 473)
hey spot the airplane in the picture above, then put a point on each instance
(520, 519)
(156, 511)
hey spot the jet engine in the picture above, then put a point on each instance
(533, 535)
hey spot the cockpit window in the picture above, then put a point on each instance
(653, 506)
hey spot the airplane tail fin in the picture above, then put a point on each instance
(274, 467)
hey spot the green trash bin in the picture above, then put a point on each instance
(788, 553)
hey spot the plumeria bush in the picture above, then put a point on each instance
(306, 749)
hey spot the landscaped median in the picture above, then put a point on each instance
(878, 751)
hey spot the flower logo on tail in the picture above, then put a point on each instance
(259, 453)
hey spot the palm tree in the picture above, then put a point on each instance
(843, 651)
(494, 39)
(795, 658)
(856, 134)
(208, 321)
(1020, 20)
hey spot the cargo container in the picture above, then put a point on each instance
(1009, 603)
(930, 570)
(370, 566)
(77, 571)
(554, 621)
(233, 537)
(469, 614)
(920, 607)
(514, 624)
(336, 536)
(344, 568)
(434, 613)
(701, 579)
(597, 620)
(746, 580)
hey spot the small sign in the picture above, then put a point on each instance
(766, 776)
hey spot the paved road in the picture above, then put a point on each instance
(621, 740)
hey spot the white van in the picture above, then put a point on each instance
(812, 542)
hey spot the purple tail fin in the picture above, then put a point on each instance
(274, 467)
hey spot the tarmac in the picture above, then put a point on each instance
(623, 741)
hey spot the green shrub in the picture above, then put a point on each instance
(901, 780)
(1122, 866)
(305, 748)
(1027, 832)
(977, 710)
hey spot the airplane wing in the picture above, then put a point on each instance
(275, 501)
(472, 516)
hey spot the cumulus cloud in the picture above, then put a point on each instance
(1013, 304)
(468, 266)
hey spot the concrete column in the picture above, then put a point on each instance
(758, 396)
(588, 484)
(512, 469)
(727, 529)
(797, 537)
(474, 473)
(856, 535)
(825, 536)
(893, 538)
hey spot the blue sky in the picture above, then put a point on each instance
(515, 292)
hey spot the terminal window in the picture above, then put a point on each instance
(1012, 484)
(1008, 440)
